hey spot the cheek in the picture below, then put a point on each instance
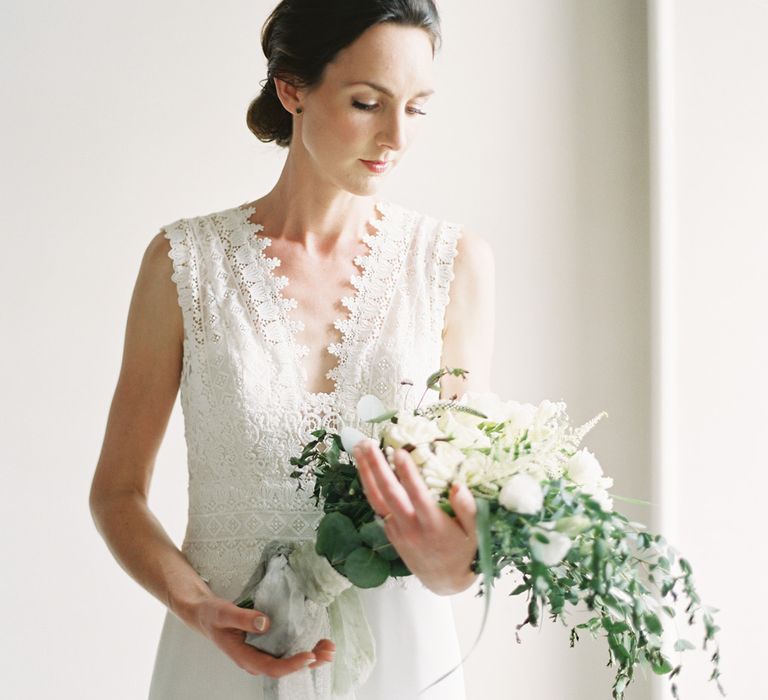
(333, 133)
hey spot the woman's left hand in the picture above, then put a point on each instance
(437, 548)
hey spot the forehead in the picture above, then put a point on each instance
(386, 54)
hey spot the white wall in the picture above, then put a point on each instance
(711, 254)
(120, 118)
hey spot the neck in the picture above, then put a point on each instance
(306, 209)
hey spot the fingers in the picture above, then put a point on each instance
(387, 492)
(258, 662)
(408, 473)
(229, 615)
(324, 651)
(464, 506)
(369, 484)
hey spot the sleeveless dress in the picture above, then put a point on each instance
(247, 411)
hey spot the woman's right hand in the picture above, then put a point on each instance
(226, 625)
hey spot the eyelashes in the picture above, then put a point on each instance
(365, 107)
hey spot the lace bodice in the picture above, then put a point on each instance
(243, 392)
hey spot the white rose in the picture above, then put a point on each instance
(491, 405)
(522, 494)
(411, 430)
(584, 469)
(520, 417)
(461, 434)
(550, 553)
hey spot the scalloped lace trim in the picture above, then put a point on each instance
(445, 251)
(364, 305)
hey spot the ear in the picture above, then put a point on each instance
(289, 95)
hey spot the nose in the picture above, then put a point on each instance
(393, 134)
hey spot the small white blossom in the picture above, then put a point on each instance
(550, 553)
(522, 494)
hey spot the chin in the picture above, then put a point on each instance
(365, 187)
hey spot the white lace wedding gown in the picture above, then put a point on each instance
(247, 411)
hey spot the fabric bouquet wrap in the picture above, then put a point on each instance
(544, 515)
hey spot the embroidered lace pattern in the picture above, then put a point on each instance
(246, 406)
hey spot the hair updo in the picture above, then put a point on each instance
(300, 37)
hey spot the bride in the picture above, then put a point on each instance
(262, 359)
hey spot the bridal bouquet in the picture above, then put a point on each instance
(544, 513)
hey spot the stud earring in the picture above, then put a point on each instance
(299, 110)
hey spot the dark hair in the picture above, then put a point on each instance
(300, 37)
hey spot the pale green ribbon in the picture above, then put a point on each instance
(306, 600)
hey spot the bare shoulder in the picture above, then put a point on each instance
(474, 255)
(468, 333)
(474, 272)
(155, 286)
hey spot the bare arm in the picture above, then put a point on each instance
(138, 417)
(469, 331)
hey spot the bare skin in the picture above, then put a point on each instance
(316, 214)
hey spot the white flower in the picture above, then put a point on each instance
(584, 469)
(550, 553)
(542, 427)
(421, 454)
(462, 435)
(411, 430)
(369, 407)
(450, 455)
(601, 496)
(491, 405)
(440, 469)
(522, 494)
(350, 437)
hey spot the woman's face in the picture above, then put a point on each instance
(367, 107)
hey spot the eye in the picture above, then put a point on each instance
(363, 105)
(416, 110)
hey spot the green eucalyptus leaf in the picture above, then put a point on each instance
(661, 665)
(372, 533)
(365, 568)
(336, 537)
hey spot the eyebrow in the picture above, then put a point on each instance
(381, 88)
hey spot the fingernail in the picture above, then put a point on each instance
(260, 623)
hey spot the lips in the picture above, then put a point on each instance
(376, 166)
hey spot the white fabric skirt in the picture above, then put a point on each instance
(415, 637)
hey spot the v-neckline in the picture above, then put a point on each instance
(359, 281)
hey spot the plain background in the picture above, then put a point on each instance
(614, 154)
